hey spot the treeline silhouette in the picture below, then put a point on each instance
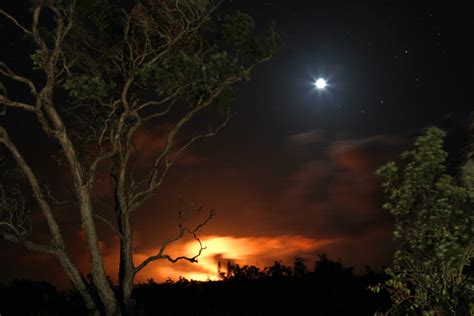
(327, 288)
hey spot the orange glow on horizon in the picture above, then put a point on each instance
(258, 251)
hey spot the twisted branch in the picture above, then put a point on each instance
(182, 230)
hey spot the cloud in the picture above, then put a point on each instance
(306, 137)
(335, 194)
(363, 155)
(148, 144)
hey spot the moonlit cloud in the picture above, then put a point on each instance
(306, 137)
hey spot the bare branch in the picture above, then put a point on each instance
(155, 178)
(30, 245)
(158, 114)
(125, 89)
(34, 27)
(14, 216)
(192, 24)
(36, 188)
(15, 21)
(109, 224)
(54, 200)
(7, 72)
(182, 231)
(113, 109)
(93, 168)
(10, 226)
(165, 100)
(14, 104)
(207, 135)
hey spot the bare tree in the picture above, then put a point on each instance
(123, 68)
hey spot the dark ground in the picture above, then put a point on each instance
(328, 289)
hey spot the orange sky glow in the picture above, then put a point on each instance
(259, 251)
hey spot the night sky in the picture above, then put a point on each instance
(293, 173)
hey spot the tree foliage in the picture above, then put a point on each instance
(434, 230)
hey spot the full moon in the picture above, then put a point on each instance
(320, 83)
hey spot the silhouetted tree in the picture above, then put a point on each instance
(299, 267)
(246, 272)
(278, 270)
(325, 266)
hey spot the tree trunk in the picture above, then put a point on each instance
(99, 277)
(104, 289)
(126, 269)
(78, 282)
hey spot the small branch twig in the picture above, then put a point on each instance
(109, 224)
(48, 193)
(207, 135)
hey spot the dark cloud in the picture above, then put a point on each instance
(307, 137)
(335, 194)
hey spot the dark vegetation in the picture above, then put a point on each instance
(433, 227)
(327, 288)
